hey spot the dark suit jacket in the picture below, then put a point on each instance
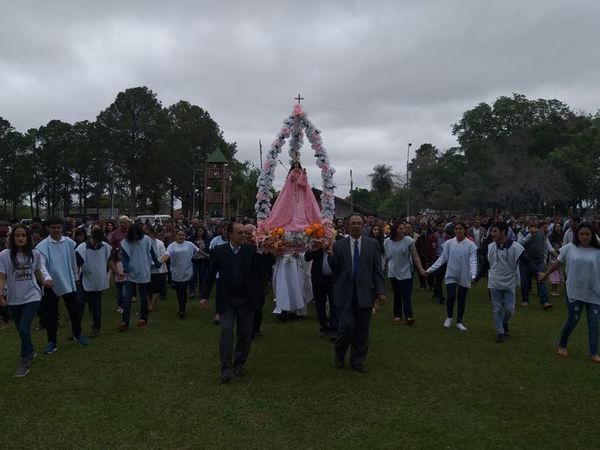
(221, 263)
(370, 282)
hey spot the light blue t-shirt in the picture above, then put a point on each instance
(94, 276)
(21, 284)
(60, 262)
(140, 259)
(180, 256)
(583, 273)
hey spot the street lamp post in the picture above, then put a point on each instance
(408, 183)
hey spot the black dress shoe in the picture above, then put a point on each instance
(240, 372)
(359, 369)
(339, 362)
(225, 379)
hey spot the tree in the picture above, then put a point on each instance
(132, 130)
(383, 179)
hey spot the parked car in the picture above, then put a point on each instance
(154, 218)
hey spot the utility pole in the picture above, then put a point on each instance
(408, 183)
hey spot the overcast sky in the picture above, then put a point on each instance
(375, 75)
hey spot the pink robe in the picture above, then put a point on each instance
(296, 207)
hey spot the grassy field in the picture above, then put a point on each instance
(427, 387)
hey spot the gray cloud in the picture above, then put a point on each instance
(375, 74)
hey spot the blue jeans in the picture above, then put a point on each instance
(503, 307)
(120, 287)
(143, 297)
(402, 293)
(454, 290)
(575, 309)
(23, 317)
(527, 275)
(200, 267)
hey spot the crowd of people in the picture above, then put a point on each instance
(446, 255)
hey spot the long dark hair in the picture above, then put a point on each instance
(135, 232)
(27, 249)
(594, 242)
(379, 238)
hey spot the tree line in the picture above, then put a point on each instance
(143, 154)
(516, 155)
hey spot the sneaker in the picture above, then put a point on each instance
(410, 321)
(181, 314)
(506, 330)
(525, 303)
(119, 310)
(123, 327)
(50, 348)
(22, 368)
(397, 319)
(216, 319)
(500, 338)
(562, 351)
(547, 306)
(461, 327)
(142, 323)
(82, 340)
(32, 356)
(448, 322)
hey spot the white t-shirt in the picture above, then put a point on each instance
(159, 250)
(181, 255)
(21, 284)
(583, 273)
(94, 276)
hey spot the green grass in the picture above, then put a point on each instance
(427, 387)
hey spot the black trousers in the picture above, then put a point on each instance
(353, 332)
(322, 294)
(50, 303)
(242, 316)
(181, 288)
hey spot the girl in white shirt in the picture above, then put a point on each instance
(180, 253)
(460, 254)
(21, 273)
(582, 260)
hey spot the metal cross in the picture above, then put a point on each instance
(299, 98)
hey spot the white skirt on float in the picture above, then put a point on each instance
(291, 284)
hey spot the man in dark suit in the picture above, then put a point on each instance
(322, 284)
(358, 283)
(237, 298)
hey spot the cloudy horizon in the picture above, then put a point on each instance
(375, 75)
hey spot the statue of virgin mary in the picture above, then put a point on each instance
(296, 206)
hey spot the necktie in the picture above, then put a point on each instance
(356, 262)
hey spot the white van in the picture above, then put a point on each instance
(154, 218)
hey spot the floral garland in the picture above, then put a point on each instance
(294, 127)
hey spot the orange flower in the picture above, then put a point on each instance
(320, 233)
(309, 231)
(280, 231)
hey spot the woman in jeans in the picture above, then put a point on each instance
(200, 261)
(582, 260)
(400, 255)
(138, 257)
(21, 272)
(180, 253)
(460, 254)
